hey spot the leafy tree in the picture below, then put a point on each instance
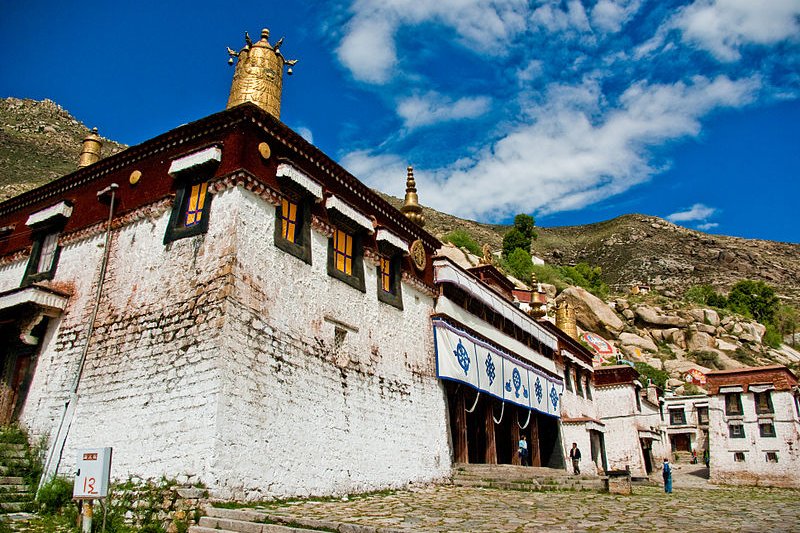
(787, 320)
(658, 377)
(462, 239)
(519, 236)
(520, 265)
(717, 300)
(755, 299)
(772, 337)
(588, 277)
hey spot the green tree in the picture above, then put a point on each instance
(520, 265)
(462, 239)
(755, 299)
(588, 277)
(786, 321)
(520, 236)
(658, 377)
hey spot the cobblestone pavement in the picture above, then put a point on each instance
(460, 509)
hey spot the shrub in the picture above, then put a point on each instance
(705, 295)
(462, 239)
(520, 265)
(658, 377)
(772, 337)
(588, 277)
(708, 359)
(54, 496)
(551, 275)
(520, 235)
(753, 299)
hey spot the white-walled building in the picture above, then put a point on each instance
(634, 437)
(686, 421)
(754, 426)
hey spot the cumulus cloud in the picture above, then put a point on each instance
(368, 47)
(707, 226)
(723, 27)
(432, 108)
(611, 15)
(694, 213)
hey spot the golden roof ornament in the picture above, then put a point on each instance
(565, 319)
(91, 149)
(411, 208)
(487, 258)
(258, 77)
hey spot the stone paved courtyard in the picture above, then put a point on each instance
(460, 509)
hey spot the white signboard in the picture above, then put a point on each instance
(92, 474)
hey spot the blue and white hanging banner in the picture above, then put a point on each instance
(464, 358)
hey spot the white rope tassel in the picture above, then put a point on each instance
(528, 421)
(474, 405)
(502, 411)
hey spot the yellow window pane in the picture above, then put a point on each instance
(348, 266)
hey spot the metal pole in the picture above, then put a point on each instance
(87, 517)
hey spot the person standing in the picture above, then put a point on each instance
(523, 451)
(706, 457)
(575, 455)
(667, 473)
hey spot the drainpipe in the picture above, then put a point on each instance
(57, 448)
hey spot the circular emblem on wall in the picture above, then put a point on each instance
(136, 175)
(417, 251)
(264, 150)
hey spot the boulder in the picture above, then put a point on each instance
(678, 338)
(699, 340)
(550, 290)
(726, 345)
(591, 313)
(631, 352)
(652, 316)
(711, 317)
(632, 339)
(628, 314)
(755, 329)
(705, 328)
(697, 315)
(659, 334)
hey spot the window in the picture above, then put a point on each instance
(588, 388)
(567, 377)
(190, 212)
(736, 431)
(763, 401)
(766, 428)
(702, 416)
(46, 225)
(738, 457)
(772, 457)
(733, 404)
(578, 383)
(293, 228)
(389, 280)
(344, 258)
(638, 399)
(677, 417)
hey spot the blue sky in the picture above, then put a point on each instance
(574, 112)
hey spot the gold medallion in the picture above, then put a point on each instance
(417, 251)
(136, 175)
(264, 150)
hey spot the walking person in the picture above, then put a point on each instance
(667, 473)
(575, 455)
(706, 458)
(523, 451)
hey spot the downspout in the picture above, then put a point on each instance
(57, 448)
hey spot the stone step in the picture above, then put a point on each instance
(15, 507)
(261, 517)
(11, 480)
(13, 488)
(201, 529)
(244, 526)
(532, 486)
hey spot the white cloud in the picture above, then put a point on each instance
(611, 15)
(368, 46)
(723, 27)
(696, 212)
(305, 133)
(432, 108)
(570, 155)
(707, 226)
(551, 17)
(385, 172)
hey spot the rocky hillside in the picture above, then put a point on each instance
(39, 141)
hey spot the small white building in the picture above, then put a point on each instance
(754, 426)
(634, 438)
(686, 420)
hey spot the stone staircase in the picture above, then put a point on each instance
(510, 477)
(15, 495)
(218, 520)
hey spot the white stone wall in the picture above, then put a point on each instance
(577, 433)
(616, 405)
(755, 469)
(11, 274)
(311, 418)
(696, 432)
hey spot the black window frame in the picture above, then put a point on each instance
(186, 179)
(771, 457)
(702, 416)
(567, 376)
(740, 434)
(729, 403)
(39, 233)
(739, 457)
(769, 409)
(764, 424)
(677, 421)
(394, 296)
(588, 388)
(578, 383)
(356, 279)
(302, 248)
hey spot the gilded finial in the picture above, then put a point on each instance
(258, 77)
(91, 149)
(411, 208)
(487, 258)
(565, 319)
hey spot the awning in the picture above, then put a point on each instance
(731, 389)
(349, 213)
(764, 387)
(462, 357)
(212, 154)
(60, 209)
(301, 179)
(44, 298)
(384, 235)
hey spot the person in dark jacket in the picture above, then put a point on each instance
(575, 455)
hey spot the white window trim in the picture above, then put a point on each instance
(351, 214)
(212, 153)
(301, 179)
(60, 209)
(390, 238)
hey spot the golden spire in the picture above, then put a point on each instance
(258, 77)
(565, 319)
(411, 207)
(91, 149)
